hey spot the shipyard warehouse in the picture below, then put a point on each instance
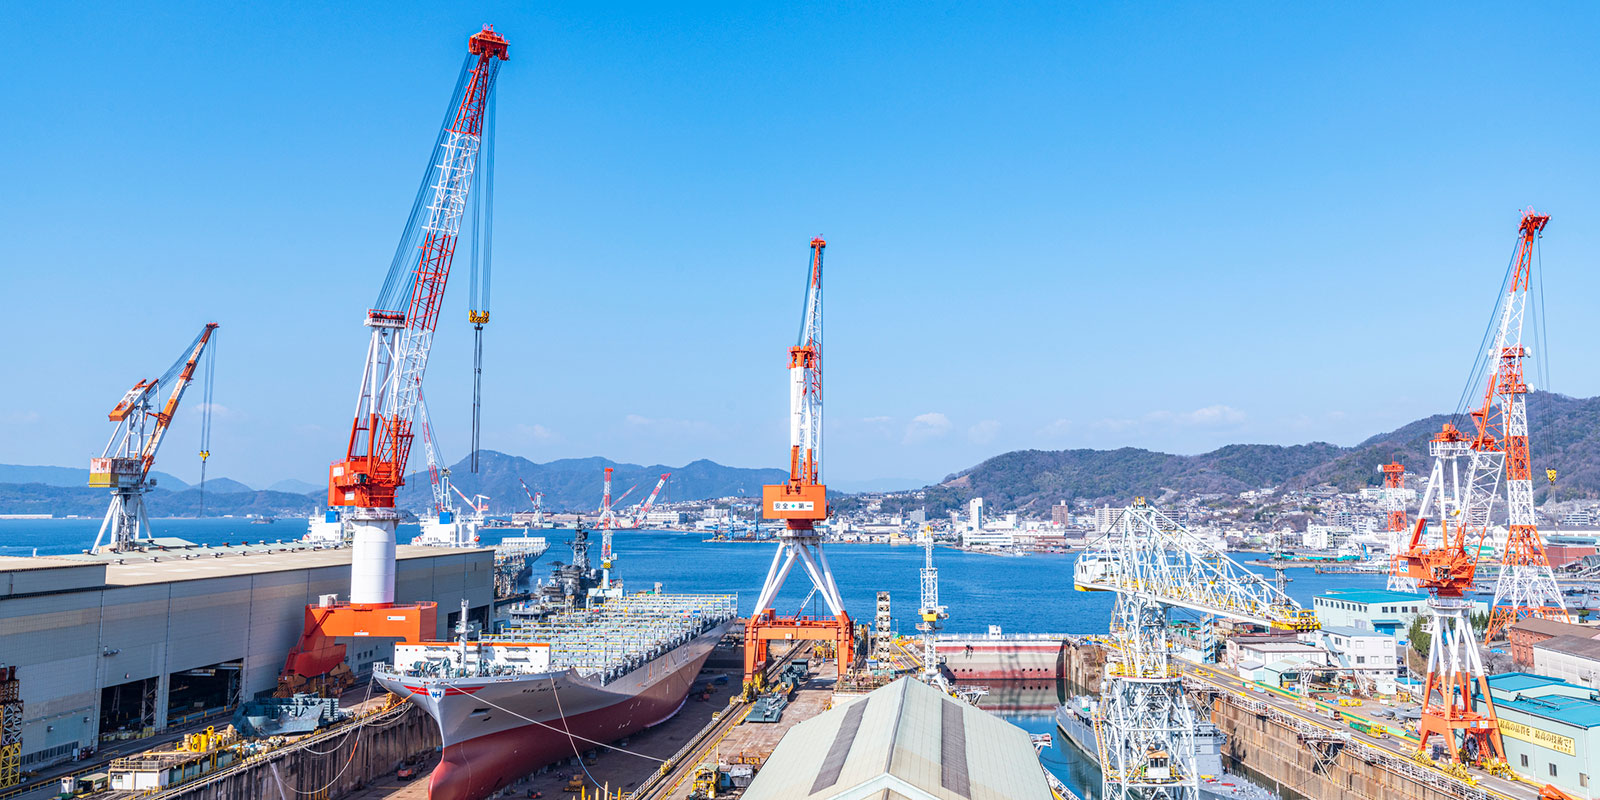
(115, 646)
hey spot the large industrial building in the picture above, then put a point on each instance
(118, 645)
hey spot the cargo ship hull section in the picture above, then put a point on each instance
(499, 728)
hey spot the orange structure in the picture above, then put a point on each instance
(1445, 571)
(402, 323)
(800, 502)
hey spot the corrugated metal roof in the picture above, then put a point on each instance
(911, 742)
(1550, 627)
(1580, 646)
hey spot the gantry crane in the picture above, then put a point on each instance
(1145, 728)
(142, 417)
(1526, 585)
(649, 502)
(800, 502)
(1445, 570)
(402, 322)
(1394, 508)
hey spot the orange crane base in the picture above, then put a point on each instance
(317, 653)
(767, 626)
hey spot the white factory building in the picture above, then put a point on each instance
(123, 645)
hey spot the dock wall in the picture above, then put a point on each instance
(326, 766)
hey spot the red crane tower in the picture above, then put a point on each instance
(1394, 482)
(800, 502)
(1526, 585)
(402, 323)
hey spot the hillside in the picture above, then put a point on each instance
(573, 484)
(568, 484)
(1565, 433)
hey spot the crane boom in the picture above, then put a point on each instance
(644, 508)
(406, 314)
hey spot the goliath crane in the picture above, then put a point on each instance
(142, 416)
(1526, 585)
(800, 502)
(1394, 507)
(402, 322)
(1445, 571)
(644, 508)
(1145, 728)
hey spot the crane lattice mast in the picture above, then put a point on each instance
(801, 501)
(1394, 507)
(142, 416)
(649, 502)
(931, 614)
(1526, 585)
(402, 323)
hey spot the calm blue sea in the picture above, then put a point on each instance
(1030, 594)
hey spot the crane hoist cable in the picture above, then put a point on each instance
(478, 290)
(208, 393)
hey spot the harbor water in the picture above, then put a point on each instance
(1022, 595)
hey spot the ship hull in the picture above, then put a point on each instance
(496, 730)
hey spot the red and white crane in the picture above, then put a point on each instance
(1394, 507)
(402, 324)
(1526, 585)
(537, 499)
(142, 416)
(649, 502)
(800, 502)
(608, 523)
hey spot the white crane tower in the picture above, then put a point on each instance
(1145, 727)
(930, 614)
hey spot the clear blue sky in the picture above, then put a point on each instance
(1165, 225)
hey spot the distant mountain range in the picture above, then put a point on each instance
(572, 484)
(1564, 431)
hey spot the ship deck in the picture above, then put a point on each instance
(621, 630)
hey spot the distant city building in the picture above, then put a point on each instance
(1369, 656)
(1061, 514)
(975, 514)
(1524, 635)
(1105, 517)
(1551, 729)
(1574, 659)
(666, 518)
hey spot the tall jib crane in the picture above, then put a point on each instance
(800, 502)
(649, 502)
(1526, 585)
(930, 614)
(402, 324)
(143, 416)
(1394, 507)
(608, 523)
(1445, 570)
(1145, 728)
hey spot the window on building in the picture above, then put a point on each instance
(1524, 759)
(1361, 659)
(1552, 769)
(1583, 779)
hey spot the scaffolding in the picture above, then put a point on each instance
(608, 640)
(883, 629)
(10, 728)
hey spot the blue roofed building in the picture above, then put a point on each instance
(1551, 730)
(1370, 609)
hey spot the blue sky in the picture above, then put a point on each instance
(1173, 225)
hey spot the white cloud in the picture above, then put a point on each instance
(1056, 429)
(1207, 417)
(984, 432)
(22, 417)
(927, 426)
(1213, 415)
(536, 432)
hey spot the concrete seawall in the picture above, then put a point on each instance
(323, 766)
